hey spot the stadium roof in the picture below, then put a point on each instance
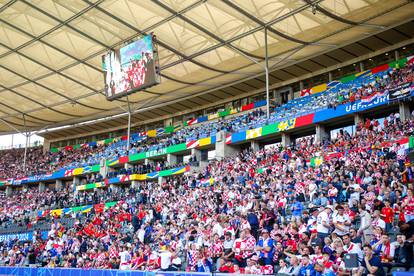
(50, 51)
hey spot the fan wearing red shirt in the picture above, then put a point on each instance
(388, 215)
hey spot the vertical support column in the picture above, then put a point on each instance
(358, 118)
(103, 168)
(255, 145)
(160, 180)
(76, 180)
(278, 97)
(59, 185)
(46, 145)
(396, 55)
(222, 149)
(404, 111)
(321, 133)
(286, 141)
(330, 78)
(9, 190)
(168, 122)
(361, 66)
(129, 127)
(197, 154)
(25, 152)
(267, 77)
(172, 159)
(42, 186)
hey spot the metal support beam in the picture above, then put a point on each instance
(267, 77)
(25, 146)
(129, 126)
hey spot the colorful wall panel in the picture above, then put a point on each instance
(133, 177)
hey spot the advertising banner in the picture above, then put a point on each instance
(400, 92)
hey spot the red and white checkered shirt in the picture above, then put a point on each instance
(101, 258)
(113, 253)
(217, 248)
(248, 244)
(266, 270)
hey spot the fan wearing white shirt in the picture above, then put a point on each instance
(322, 224)
(125, 259)
(377, 221)
(341, 221)
(166, 258)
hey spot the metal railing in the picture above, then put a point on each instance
(21, 146)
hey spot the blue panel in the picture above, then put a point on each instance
(349, 108)
(238, 137)
(114, 180)
(202, 119)
(260, 103)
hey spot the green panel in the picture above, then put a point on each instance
(136, 157)
(76, 209)
(347, 79)
(411, 142)
(176, 148)
(96, 168)
(54, 150)
(399, 63)
(109, 140)
(224, 113)
(153, 153)
(270, 129)
(169, 129)
(185, 124)
(110, 204)
(165, 173)
(90, 186)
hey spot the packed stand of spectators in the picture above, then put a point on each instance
(148, 168)
(342, 93)
(39, 163)
(291, 219)
(12, 162)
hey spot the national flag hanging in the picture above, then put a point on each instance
(370, 98)
(191, 122)
(192, 144)
(86, 208)
(152, 133)
(316, 161)
(68, 173)
(305, 92)
(228, 139)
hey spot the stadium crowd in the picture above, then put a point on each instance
(361, 88)
(270, 211)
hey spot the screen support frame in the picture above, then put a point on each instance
(129, 124)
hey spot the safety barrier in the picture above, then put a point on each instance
(41, 271)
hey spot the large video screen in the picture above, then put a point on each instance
(130, 68)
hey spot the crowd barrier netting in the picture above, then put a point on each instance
(43, 271)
